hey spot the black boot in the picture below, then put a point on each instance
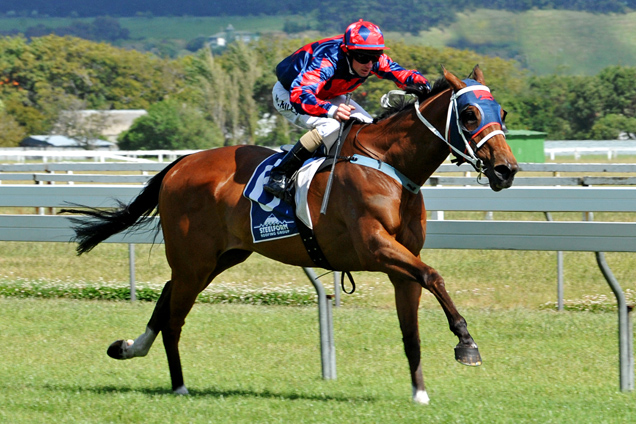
(278, 177)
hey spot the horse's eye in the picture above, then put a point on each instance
(469, 119)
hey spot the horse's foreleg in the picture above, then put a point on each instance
(407, 299)
(127, 349)
(466, 351)
(400, 263)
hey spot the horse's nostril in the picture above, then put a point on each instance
(503, 172)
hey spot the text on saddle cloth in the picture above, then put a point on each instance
(270, 217)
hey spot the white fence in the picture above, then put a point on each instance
(578, 148)
(544, 174)
(441, 234)
(553, 148)
(516, 235)
(136, 156)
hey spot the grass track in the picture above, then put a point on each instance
(487, 279)
(261, 364)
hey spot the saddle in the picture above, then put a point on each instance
(273, 219)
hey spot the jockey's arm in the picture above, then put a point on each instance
(388, 69)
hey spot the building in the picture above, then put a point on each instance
(527, 146)
(63, 142)
(108, 123)
(223, 38)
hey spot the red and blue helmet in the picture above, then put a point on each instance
(363, 35)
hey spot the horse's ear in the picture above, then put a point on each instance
(455, 82)
(478, 75)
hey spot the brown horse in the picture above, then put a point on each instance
(373, 223)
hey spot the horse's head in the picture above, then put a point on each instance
(475, 130)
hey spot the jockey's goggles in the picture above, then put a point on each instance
(365, 57)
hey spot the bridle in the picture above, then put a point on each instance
(469, 153)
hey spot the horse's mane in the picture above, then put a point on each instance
(407, 101)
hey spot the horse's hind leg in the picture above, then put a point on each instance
(127, 349)
(186, 286)
(159, 322)
(182, 298)
(174, 304)
(407, 300)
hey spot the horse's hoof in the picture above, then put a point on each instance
(421, 397)
(182, 390)
(116, 349)
(468, 356)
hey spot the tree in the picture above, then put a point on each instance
(619, 84)
(391, 15)
(102, 75)
(239, 60)
(11, 133)
(208, 84)
(171, 125)
(79, 124)
(108, 29)
(609, 127)
(542, 105)
(224, 89)
(50, 74)
(584, 105)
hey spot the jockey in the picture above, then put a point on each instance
(311, 88)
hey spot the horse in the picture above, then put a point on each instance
(375, 222)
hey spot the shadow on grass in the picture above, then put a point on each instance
(215, 393)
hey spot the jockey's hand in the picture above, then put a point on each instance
(344, 112)
(424, 88)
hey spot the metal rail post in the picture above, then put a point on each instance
(560, 290)
(325, 319)
(625, 331)
(336, 288)
(625, 334)
(131, 265)
(548, 216)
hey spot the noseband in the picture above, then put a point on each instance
(483, 103)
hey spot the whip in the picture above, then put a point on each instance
(325, 197)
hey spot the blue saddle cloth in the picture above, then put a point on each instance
(270, 217)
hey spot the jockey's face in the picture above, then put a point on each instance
(362, 62)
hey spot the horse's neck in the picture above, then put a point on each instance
(405, 143)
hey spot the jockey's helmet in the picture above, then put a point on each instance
(364, 35)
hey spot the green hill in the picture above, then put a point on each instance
(550, 41)
(544, 41)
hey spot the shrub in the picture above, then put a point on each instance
(171, 125)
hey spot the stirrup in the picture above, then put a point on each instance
(277, 188)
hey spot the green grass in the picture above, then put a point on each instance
(246, 364)
(546, 41)
(188, 28)
(9, 24)
(484, 279)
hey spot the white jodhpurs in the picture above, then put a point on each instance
(326, 127)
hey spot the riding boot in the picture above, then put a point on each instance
(278, 177)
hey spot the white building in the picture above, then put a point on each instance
(223, 38)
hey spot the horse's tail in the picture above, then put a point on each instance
(101, 224)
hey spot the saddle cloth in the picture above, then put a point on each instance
(270, 217)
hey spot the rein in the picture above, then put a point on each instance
(470, 155)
